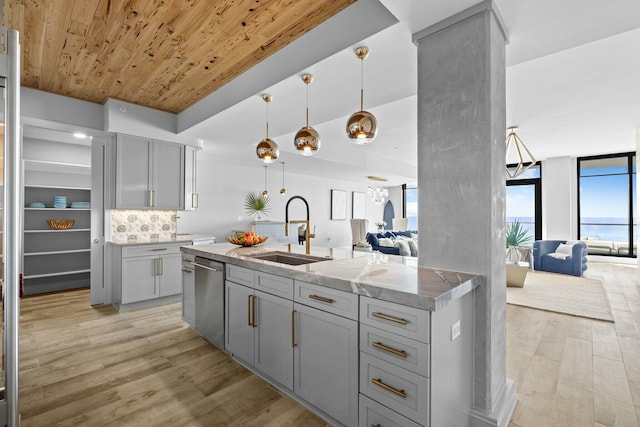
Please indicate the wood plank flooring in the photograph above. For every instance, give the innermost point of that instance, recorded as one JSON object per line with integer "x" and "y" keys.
{"x": 85, "y": 366}
{"x": 572, "y": 371}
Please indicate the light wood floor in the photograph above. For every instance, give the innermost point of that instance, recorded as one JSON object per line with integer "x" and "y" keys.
{"x": 572, "y": 371}
{"x": 84, "y": 366}
{"x": 94, "y": 366}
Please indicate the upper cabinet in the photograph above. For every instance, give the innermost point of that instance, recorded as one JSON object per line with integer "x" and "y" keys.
{"x": 150, "y": 174}
{"x": 190, "y": 193}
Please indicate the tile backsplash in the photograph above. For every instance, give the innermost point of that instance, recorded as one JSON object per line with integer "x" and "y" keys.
{"x": 133, "y": 225}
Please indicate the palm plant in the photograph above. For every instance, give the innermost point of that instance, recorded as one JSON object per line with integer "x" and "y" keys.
{"x": 517, "y": 235}
{"x": 257, "y": 204}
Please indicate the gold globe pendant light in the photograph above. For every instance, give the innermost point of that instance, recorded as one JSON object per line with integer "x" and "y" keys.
{"x": 283, "y": 190}
{"x": 267, "y": 150}
{"x": 307, "y": 140}
{"x": 362, "y": 126}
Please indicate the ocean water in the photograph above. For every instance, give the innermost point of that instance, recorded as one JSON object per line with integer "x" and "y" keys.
{"x": 610, "y": 229}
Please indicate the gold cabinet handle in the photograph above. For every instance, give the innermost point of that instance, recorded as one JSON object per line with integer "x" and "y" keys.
{"x": 322, "y": 299}
{"x": 186, "y": 270}
{"x": 394, "y": 390}
{"x": 249, "y": 310}
{"x": 159, "y": 249}
{"x": 150, "y": 198}
{"x": 153, "y": 192}
{"x": 390, "y": 318}
{"x": 253, "y": 310}
{"x": 293, "y": 328}
{"x": 391, "y": 350}
{"x": 376, "y": 425}
{"x": 195, "y": 200}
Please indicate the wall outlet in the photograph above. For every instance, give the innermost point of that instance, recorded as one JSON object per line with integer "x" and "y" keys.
{"x": 239, "y": 218}
{"x": 455, "y": 330}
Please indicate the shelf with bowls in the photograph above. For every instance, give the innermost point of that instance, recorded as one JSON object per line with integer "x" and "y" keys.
{"x": 55, "y": 257}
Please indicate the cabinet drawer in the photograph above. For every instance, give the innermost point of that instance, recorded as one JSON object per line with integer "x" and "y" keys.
{"x": 276, "y": 285}
{"x": 144, "y": 250}
{"x": 331, "y": 300}
{"x": 396, "y": 388}
{"x": 404, "y": 352}
{"x": 409, "y": 322}
{"x": 241, "y": 275}
{"x": 374, "y": 414}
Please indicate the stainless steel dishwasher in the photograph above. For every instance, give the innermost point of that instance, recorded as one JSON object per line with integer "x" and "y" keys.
{"x": 209, "y": 307}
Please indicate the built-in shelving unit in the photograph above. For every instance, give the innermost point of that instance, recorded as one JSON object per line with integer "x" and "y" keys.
{"x": 56, "y": 259}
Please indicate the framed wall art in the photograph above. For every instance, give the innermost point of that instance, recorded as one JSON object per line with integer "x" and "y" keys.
{"x": 338, "y": 205}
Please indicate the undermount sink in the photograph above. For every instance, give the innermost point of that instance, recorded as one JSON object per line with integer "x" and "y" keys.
{"x": 288, "y": 258}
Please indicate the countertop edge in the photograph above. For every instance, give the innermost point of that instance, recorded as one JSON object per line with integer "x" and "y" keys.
{"x": 366, "y": 289}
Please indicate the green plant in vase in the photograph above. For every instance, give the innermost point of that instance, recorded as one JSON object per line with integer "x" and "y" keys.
{"x": 517, "y": 235}
{"x": 257, "y": 204}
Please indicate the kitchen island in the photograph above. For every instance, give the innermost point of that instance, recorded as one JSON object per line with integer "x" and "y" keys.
{"x": 360, "y": 338}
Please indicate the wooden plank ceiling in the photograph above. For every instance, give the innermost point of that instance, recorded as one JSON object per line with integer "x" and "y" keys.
{"x": 163, "y": 54}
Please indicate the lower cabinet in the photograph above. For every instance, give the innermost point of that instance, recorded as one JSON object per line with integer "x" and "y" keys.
{"x": 310, "y": 352}
{"x": 147, "y": 272}
{"x": 259, "y": 331}
{"x": 326, "y": 362}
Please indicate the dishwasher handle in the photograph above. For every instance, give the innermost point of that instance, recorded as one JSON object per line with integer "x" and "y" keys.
{"x": 203, "y": 266}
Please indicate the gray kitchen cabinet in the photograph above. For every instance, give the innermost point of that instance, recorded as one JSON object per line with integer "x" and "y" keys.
{"x": 188, "y": 290}
{"x": 149, "y": 174}
{"x": 139, "y": 279}
{"x": 259, "y": 331}
{"x": 326, "y": 362}
{"x": 191, "y": 196}
{"x": 147, "y": 272}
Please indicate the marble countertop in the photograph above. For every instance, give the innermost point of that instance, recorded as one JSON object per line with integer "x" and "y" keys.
{"x": 385, "y": 277}
{"x": 179, "y": 238}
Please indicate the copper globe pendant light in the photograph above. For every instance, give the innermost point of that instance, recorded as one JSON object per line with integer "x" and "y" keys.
{"x": 307, "y": 140}
{"x": 267, "y": 150}
{"x": 362, "y": 126}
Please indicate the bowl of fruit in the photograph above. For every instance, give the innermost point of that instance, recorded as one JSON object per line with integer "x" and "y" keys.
{"x": 248, "y": 238}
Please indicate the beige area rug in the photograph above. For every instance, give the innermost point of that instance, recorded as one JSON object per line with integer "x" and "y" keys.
{"x": 563, "y": 294}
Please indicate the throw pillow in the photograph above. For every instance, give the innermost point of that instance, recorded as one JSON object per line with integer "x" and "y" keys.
{"x": 372, "y": 239}
{"x": 413, "y": 247}
{"x": 403, "y": 246}
{"x": 385, "y": 242}
{"x": 564, "y": 249}
{"x": 556, "y": 255}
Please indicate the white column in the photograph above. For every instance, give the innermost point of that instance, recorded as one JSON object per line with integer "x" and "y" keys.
{"x": 461, "y": 180}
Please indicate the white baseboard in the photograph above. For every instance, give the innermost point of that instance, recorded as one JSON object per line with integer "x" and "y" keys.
{"x": 502, "y": 412}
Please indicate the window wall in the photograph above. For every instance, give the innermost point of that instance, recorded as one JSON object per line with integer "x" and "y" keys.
{"x": 410, "y": 205}
{"x": 524, "y": 201}
{"x": 607, "y": 214}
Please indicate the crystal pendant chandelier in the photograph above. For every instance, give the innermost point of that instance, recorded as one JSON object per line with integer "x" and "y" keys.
{"x": 362, "y": 126}
{"x": 267, "y": 150}
{"x": 378, "y": 194}
{"x": 307, "y": 140}
{"x": 525, "y": 159}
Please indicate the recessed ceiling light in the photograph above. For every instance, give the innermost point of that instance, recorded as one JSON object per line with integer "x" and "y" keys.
{"x": 80, "y": 135}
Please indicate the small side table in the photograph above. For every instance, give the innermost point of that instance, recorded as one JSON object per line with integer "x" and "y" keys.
{"x": 362, "y": 248}
{"x": 517, "y": 273}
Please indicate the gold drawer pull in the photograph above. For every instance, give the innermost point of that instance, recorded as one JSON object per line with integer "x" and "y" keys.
{"x": 376, "y": 425}
{"x": 379, "y": 383}
{"x": 323, "y": 299}
{"x": 186, "y": 270}
{"x": 390, "y": 318}
{"x": 158, "y": 249}
{"x": 293, "y": 328}
{"x": 381, "y": 346}
{"x": 249, "y": 323}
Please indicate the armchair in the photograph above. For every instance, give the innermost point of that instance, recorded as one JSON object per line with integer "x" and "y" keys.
{"x": 560, "y": 256}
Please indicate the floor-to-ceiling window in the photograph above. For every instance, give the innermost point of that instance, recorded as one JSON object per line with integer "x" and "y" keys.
{"x": 410, "y": 205}
{"x": 606, "y": 204}
{"x": 524, "y": 201}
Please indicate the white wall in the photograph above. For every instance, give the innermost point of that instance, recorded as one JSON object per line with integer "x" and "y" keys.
{"x": 559, "y": 198}
{"x": 223, "y": 187}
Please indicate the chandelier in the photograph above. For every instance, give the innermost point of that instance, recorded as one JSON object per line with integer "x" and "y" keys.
{"x": 378, "y": 194}
{"x": 522, "y": 155}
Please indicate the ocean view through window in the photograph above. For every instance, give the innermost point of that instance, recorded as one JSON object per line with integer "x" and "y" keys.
{"x": 524, "y": 200}
{"x": 606, "y": 204}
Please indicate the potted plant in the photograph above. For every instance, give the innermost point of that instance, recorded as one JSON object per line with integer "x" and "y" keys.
{"x": 517, "y": 236}
{"x": 381, "y": 225}
{"x": 257, "y": 204}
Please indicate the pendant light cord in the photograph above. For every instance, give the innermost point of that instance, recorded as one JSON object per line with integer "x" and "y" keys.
{"x": 362, "y": 84}
{"x": 265, "y": 177}
{"x": 282, "y": 174}
{"x": 267, "y": 120}
{"x": 307, "y": 104}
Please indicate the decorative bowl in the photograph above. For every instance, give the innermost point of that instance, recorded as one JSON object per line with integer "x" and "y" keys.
{"x": 246, "y": 239}
{"x": 60, "y": 224}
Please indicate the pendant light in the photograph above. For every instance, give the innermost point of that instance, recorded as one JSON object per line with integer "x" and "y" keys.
{"x": 307, "y": 140}
{"x": 283, "y": 190}
{"x": 378, "y": 194}
{"x": 265, "y": 192}
{"x": 525, "y": 159}
{"x": 267, "y": 149}
{"x": 362, "y": 126}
